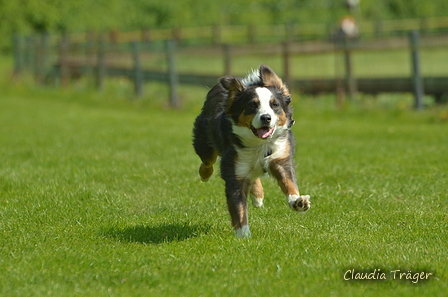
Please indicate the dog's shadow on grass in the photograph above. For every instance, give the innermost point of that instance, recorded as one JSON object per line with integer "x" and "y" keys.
{"x": 157, "y": 234}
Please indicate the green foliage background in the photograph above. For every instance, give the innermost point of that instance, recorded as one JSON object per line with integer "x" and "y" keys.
{"x": 27, "y": 16}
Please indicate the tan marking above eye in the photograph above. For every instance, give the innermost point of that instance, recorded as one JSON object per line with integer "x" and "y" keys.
{"x": 274, "y": 103}
{"x": 254, "y": 103}
{"x": 245, "y": 120}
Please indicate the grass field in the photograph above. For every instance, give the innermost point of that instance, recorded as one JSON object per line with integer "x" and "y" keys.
{"x": 100, "y": 196}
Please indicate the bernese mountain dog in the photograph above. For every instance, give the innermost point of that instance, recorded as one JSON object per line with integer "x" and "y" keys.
{"x": 247, "y": 122}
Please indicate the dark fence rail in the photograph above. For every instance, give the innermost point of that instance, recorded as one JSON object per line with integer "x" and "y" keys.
{"x": 432, "y": 85}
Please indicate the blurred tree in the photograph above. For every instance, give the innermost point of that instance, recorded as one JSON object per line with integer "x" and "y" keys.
{"x": 27, "y": 16}
{"x": 392, "y": 9}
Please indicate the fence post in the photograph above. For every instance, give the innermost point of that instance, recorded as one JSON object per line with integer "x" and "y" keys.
{"x": 378, "y": 27}
{"x": 177, "y": 34}
{"x": 138, "y": 74}
{"x": 287, "y": 64}
{"x": 45, "y": 53}
{"x": 216, "y": 34}
{"x": 251, "y": 33}
{"x": 227, "y": 59}
{"x": 146, "y": 38}
{"x": 289, "y": 31}
{"x": 114, "y": 37}
{"x": 29, "y": 53}
{"x": 352, "y": 86}
{"x": 101, "y": 67}
{"x": 63, "y": 61}
{"x": 37, "y": 58}
{"x": 18, "y": 54}
{"x": 90, "y": 52}
{"x": 172, "y": 73}
{"x": 416, "y": 73}
{"x": 41, "y": 57}
{"x": 339, "y": 80}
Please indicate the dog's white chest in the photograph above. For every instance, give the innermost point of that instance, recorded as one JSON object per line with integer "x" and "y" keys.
{"x": 253, "y": 162}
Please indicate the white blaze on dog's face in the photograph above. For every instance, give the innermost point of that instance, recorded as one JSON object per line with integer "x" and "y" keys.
{"x": 265, "y": 110}
{"x": 265, "y": 120}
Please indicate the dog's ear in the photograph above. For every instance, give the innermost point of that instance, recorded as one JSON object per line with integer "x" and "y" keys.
{"x": 270, "y": 79}
{"x": 231, "y": 84}
{"x": 234, "y": 86}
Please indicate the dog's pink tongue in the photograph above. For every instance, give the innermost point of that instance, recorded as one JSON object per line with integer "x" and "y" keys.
{"x": 264, "y": 132}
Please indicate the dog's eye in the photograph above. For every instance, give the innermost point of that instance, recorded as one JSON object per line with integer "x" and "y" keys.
{"x": 253, "y": 104}
{"x": 275, "y": 104}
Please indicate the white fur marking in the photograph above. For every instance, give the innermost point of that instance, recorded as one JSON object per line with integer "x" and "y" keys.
{"x": 253, "y": 159}
{"x": 243, "y": 232}
{"x": 304, "y": 198}
{"x": 264, "y": 95}
{"x": 252, "y": 78}
{"x": 257, "y": 202}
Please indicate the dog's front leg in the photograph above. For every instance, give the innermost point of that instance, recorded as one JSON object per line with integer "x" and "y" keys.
{"x": 236, "y": 193}
{"x": 283, "y": 171}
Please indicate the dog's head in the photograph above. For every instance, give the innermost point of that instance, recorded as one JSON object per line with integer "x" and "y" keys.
{"x": 259, "y": 102}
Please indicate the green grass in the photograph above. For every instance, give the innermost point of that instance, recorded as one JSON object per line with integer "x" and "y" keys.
{"x": 100, "y": 196}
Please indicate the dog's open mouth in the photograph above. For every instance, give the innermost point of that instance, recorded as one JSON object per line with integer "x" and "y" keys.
{"x": 263, "y": 132}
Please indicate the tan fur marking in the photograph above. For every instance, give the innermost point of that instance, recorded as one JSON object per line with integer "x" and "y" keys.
{"x": 242, "y": 217}
{"x": 245, "y": 120}
{"x": 205, "y": 172}
{"x": 288, "y": 187}
{"x": 230, "y": 100}
{"x": 212, "y": 160}
{"x": 282, "y": 119}
{"x": 272, "y": 80}
{"x": 257, "y": 189}
{"x": 206, "y": 168}
{"x": 285, "y": 183}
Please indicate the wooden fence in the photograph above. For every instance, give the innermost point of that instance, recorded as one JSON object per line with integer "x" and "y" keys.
{"x": 70, "y": 59}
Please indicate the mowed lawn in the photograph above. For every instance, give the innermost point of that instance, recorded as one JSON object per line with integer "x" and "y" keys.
{"x": 103, "y": 199}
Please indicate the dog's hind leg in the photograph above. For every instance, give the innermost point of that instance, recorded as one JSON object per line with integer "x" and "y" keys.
{"x": 203, "y": 148}
{"x": 206, "y": 168}
{"x": 256, "y": 193}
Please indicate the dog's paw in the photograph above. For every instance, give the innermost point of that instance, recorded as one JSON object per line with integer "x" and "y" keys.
{"x": 299, "y": 203}
{"x": 243, "y": 232}
{"x": 257, "y": 202}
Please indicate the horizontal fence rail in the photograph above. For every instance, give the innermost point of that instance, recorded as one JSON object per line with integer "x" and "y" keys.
{"x": 433, "y": 85}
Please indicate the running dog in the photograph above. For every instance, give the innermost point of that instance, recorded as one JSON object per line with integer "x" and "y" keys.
{"x": 247, "y": 122}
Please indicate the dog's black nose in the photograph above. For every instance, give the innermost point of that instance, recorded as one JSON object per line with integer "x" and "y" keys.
{"x": 265, "y": 118}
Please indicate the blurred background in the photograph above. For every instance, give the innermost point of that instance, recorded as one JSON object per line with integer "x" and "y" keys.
{"x": 343, "y": 47}
{"x": 53, "y": 16}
